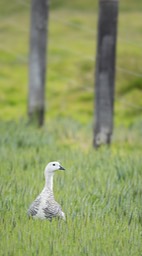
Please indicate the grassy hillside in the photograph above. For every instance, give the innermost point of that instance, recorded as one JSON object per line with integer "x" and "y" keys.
{"x": 71, "y": 63}
{"x": 90, "y": 5}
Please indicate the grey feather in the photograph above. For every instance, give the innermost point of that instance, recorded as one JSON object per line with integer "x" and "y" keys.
{"x": 33, "y": 209}
{"x": 45, "y": 206}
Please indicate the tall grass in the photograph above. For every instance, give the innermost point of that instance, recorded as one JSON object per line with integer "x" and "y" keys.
{"x": 100, "y": 192}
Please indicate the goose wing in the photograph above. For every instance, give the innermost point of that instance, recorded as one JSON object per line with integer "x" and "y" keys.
{"x": 34, "y": 207}
{"x": 52, "y": 209}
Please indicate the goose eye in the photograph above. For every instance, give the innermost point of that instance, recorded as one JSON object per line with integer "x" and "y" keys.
{"x": 53, "y": 164}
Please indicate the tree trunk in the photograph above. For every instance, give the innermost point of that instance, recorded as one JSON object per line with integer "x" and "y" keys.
{"x": 105, "y": 72}
{"x": 37, "y": 62}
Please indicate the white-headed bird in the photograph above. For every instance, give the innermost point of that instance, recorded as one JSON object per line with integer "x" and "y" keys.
{"x": 45, "y": 206}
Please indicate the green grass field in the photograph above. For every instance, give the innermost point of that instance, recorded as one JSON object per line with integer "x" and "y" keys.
{"x": 101, "y": 191}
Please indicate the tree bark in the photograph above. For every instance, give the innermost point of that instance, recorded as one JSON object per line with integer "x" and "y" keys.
{"x": 37, "y": 61}
{"x": 105, "y": 72}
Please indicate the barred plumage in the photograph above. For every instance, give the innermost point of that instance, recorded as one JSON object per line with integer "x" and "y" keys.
{"x": 45, "y": 206}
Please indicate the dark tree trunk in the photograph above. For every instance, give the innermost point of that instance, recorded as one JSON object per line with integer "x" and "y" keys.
{"x": 37, "y": 65}
{"x": 105, "y": 71}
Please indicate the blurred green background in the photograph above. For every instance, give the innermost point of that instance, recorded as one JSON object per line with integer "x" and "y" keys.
{"x": 71, "y": 61}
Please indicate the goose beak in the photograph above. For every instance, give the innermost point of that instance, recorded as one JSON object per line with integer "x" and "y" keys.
{"x": 61, "y": 168}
